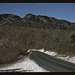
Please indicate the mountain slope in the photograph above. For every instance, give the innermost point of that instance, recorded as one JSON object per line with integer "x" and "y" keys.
{"x": 34, "y": 32}
{"x": 30, "y": 20}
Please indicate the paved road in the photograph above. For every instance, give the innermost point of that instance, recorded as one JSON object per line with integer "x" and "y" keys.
{"x": 50, "y": 63}
{"x": 22, "y": 65}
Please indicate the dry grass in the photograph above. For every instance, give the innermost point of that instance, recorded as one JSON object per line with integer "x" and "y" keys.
{"x": 16, "y": 40}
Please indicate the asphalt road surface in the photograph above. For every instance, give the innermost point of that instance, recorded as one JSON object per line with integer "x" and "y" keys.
{"x": 50, "y": 63}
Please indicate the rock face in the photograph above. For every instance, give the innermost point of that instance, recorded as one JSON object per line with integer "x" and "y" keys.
{"x": 8, "y": 18}
{"x": 49, "y": 21}
{"x": 39, "y": 20}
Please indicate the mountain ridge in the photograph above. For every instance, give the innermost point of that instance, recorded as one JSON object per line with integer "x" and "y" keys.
{"x": 48, "y": 22}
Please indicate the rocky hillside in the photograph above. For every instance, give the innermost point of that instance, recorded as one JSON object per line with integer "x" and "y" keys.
{"x": 17, "y": 35}
{"x": 47, "y": 22}
{"x": 36, "y": 21}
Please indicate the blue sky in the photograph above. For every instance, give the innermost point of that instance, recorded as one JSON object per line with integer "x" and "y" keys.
{"x": 64, "y": 11}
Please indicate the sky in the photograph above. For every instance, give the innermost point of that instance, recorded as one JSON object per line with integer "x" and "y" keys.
{"x": 64, "y": 11}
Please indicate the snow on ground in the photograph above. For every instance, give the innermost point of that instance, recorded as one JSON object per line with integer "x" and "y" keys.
{"x": 66, "y": 58}
{"x": 72, "y": 59}
{"x": 48, "y": 52}
{"x": 51, "y": 53}
{"x": 26, "y": 65}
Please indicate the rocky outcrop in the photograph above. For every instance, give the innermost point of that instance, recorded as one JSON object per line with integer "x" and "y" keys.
{"x": 8, "y": 18}
{"x": 31, "y": 20}
{"x": 48, "y": 21}
{"x": 37, "y": 18}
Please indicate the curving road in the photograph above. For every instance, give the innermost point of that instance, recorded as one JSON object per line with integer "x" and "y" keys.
{"x": 50, "y": 63}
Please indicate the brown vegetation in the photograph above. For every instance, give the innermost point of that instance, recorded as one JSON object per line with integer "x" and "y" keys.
{"x": 16, "y": 40}
{"x": 17, "y": 35}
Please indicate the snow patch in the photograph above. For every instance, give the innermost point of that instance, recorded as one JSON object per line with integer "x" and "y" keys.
{"x": 25, "y": 65}
{"x": 72, "y": 59}
{"x": 48, "y": 52}
{"x": 41, "y": 50}
{"x": 51, "y": 53}
{"x": 66, "y": 58}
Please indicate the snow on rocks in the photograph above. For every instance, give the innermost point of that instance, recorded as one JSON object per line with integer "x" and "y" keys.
{"x": 51, "y": 53}
{"x": 66, "y": 58}
{"x": 72, "y": 59}
{"x": 48, "y": 52}
{"x": 41, "y": 50}
{"x": 32, "y": 50}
